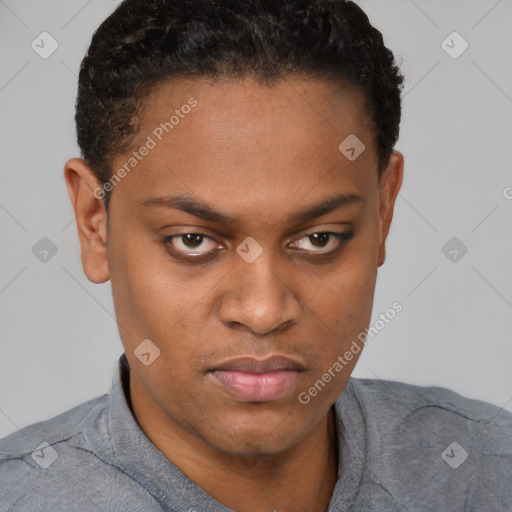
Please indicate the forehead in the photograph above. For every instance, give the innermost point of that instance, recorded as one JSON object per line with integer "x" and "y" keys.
{"x": 243, "y": 108}
{"x": 245, "y": 138}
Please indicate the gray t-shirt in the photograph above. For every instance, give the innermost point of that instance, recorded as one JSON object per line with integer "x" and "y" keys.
{"x": 401, "y": 448}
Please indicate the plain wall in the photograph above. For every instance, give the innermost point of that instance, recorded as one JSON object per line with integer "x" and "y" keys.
{"x": 59, "y": 339}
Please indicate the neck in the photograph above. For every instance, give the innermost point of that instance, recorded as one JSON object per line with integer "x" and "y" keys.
{"x": 302, "y": 478}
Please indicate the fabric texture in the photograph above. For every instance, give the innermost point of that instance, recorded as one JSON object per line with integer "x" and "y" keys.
{"x": 401, "y": 448}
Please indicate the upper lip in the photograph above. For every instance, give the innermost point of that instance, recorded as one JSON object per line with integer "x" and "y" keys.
{"x": 253, "y": 365}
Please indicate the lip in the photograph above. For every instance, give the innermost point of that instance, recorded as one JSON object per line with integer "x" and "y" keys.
{"x": 257, "y": 380}
{"x": 251, "y": 364}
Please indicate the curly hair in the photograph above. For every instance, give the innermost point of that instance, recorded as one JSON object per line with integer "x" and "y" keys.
{"x": 144, "y": 42}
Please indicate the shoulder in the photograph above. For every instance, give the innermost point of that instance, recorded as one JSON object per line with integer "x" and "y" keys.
{"x": 56, "y": 430}
{"x": 405, "y": 396}
{"x": 34, "y": 459}
{"x": 69, "y": 462}
{"x": 398, "y": 402}
{"x": 434, "y": 441}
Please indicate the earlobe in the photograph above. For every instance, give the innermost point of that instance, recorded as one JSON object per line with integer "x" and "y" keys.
{"x": 382, "y": 254}
{"x": 389, "y": 186}
{"x": 91, "y": 218}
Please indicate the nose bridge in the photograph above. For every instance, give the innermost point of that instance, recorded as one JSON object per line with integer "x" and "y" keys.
{"x": 260, "y": 279}
{"x": 259, "y": 297}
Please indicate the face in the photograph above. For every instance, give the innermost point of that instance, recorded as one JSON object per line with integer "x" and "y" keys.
{"x": 245, "y": 245}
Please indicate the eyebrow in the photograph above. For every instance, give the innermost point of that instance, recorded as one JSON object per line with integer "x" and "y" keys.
{"x": 204, "y": 211}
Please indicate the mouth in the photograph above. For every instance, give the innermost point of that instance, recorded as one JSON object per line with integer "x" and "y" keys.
{"x": 257, "y": 380}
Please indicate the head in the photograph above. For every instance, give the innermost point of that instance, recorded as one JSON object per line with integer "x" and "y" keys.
{"x": 236, "y": 186}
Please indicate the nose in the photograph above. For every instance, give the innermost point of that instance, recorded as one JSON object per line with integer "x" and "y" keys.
{"x": 260, "y": 298}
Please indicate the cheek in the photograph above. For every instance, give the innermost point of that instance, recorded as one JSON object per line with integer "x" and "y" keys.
{"x": 343, "y": 303}
{"x": 346, "y": 305}
{"x": 158, "y": 300}
{"x": 148, "y": 297}
{"x": 346, "y": 291}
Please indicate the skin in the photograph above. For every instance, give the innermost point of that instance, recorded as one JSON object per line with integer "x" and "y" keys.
{"x": 257, "y": 154}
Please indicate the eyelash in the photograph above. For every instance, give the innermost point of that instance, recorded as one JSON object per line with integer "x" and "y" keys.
{"x": 341, "y": 238}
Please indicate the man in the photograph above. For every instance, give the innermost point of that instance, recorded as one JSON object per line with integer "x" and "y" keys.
{"x": 236, "y": 186}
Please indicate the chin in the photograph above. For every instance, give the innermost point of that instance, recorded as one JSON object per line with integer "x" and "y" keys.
{"x": 254, "y": 434}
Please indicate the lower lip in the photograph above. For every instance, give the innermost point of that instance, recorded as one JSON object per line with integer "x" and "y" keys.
{"x": 257, "y": 387}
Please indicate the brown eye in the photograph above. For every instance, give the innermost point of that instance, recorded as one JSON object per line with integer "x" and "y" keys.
{"x": 327, "y": 241}
{"x": 319, "y": 239}
{"x": 191, "y": 243}
{"x": 192, "y": 239}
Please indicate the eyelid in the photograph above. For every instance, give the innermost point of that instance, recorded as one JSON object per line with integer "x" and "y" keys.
{"x": 319, "y": 227}
{"x": 214, "y": 234}
{"x": 295, "y": 236}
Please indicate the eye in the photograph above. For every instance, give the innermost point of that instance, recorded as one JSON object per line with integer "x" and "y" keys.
{"x": 324, "y": 242}
{"x": 191, "y": 244}
{"x": 199, "y": 244}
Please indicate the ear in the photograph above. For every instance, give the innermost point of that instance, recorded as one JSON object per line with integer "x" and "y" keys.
{"x": 86, "y": 197}
{"x": 389, "y": 186}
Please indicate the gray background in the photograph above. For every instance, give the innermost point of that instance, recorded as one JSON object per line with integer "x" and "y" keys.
{"x": 59, "y": 340}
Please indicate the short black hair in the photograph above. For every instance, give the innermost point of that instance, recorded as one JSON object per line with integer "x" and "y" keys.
{"x": 144, "y": 42}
